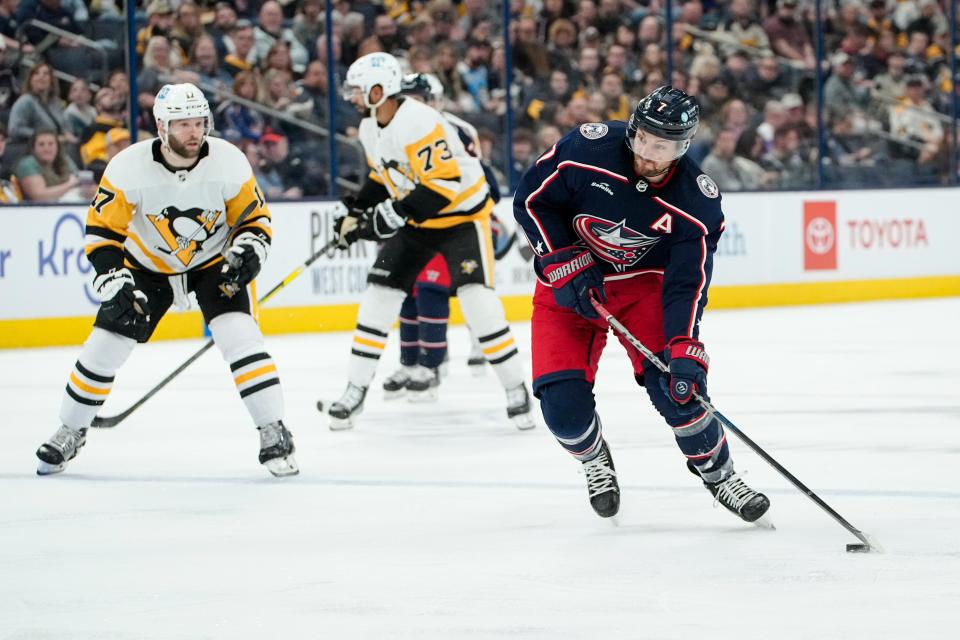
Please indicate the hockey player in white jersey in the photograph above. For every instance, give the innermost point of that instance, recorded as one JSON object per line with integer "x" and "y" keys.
{"x": 177, "y": 214}
{"x": 425, "y": 195}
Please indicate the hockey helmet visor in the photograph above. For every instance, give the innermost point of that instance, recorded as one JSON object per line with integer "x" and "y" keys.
{"x": 663, "y": 124}
{"x": 368, "y": 71}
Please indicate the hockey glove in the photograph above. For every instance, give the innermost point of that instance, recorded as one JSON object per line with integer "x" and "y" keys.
{"x": 244, "y": 258}
{"x": 120, "y": 302}
{"x": 346, "y": 228}
{"x": 381, "y": 222}
{"x": 688, "y": 362}
{"x": 574, "y": 277}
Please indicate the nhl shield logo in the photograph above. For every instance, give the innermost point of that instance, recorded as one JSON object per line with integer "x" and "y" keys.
{"x": 593, "y": 130}
{"x": 615, "y": 242}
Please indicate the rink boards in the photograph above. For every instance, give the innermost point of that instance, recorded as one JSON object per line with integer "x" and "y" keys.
{"x": 777, "y": 249}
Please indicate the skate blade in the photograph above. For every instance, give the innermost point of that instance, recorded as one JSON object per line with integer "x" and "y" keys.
{"x": 523, "y": 421}
{"x": 394, "y": 395}
{"x": 422, "y": 397}
{"x": 340, "y": 424}
{"x": 47, "y": 469}
{"x": 281, "y": 467}
{"x": 764, "y": 522}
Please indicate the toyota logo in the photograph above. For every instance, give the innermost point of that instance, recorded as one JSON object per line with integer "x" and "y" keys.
{"x": 820, "y": 235}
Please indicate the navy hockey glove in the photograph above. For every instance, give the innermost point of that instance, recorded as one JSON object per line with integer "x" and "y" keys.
{"x": 688, "y": 362}
{"x": 574, "y": 277}
{"x": 120, "y": 302}
{"x": 346, "y": 228}
{"x": 381, "y": 222}
{"x": 244, "y": 258}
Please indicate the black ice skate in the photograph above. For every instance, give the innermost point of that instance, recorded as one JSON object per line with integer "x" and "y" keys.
{"x": 602, "y": 483}
{"x": 343, "y": 411}
{"x": 423, "y": 384}
{"x": 396, "y": 385}
{"x": 60, "y": 449}
{"x": 518, "y": 408}
{"x": 735, "y": 495}
{"x": 276, "y": 450}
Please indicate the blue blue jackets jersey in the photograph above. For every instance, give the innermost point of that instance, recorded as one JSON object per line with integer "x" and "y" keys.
{"x": 584, "y": 191}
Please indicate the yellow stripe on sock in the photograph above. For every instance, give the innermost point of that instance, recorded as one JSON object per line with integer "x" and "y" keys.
{"x": 250, "y": 375}
{"x": 498, "y": 347}
{"x": 370, "y": 343}
{"x": 78, "y": 383}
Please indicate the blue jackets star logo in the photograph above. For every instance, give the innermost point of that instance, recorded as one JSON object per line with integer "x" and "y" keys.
{"x": 614, "y": 242}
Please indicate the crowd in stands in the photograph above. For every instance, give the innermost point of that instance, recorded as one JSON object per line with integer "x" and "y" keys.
{"x": 263, "y": 65}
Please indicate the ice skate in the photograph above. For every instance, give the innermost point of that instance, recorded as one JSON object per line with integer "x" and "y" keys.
{"x": 343, "y": 411}
{"x": 60, "y": 449}
{"x": 734, "y": 494}
{"x": 276, "y": 450}
{"x": 423, "y": 385}
{"x": 602, "y": 483}
{"x": 518, "y": 408}
{"x": 476, "y": 363}
{"x": 396, "y": 385}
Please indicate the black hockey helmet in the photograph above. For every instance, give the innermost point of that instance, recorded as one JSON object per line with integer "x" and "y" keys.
{"x": 666, "y": 113}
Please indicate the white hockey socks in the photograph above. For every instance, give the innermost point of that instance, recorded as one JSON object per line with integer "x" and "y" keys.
{"x": 379, "y": 307}
{"x": 90, "y": 382}
{"x": 240, "y": 341}
{"x": 484, "y": 313}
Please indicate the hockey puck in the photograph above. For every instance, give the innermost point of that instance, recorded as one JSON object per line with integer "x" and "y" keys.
{"x": 320, "y": 409}
{"x": 858, "y": 548}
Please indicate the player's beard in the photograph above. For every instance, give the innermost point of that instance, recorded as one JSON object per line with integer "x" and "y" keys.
{"x": 650, "y": 169}
{"x": 181, "y": 149}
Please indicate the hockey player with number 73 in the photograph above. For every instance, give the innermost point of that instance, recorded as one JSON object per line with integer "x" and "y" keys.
{"x": 616, "y": 213}
{"x": 178, "y": 214}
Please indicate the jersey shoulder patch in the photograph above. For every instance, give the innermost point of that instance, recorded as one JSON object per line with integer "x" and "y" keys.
{"x": 707, "y": 186}
{"x": 594, "y": 130}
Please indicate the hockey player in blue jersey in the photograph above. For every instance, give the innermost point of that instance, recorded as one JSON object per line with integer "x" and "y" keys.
{"x": 615, "y": 210}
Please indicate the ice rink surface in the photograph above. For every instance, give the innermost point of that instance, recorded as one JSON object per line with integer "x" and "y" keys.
{"x": 443, "y": 521}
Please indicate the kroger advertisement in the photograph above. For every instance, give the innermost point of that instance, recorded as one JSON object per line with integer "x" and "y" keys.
{"x": 769, "y": 238}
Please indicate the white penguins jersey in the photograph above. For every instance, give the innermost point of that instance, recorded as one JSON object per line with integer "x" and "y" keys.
{"x": 420, "y": 147}
{"x": 170, "y": 220}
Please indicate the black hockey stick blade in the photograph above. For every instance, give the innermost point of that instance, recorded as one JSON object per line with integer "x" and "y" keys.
{"x": 107, "y": 422}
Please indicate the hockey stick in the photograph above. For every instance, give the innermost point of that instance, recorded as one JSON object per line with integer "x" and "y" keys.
{"x": 106, "y": 422}
{"x": 869, "y": 543}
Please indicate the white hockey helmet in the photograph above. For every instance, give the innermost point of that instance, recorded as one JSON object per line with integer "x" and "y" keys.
{"x": 369, "y": 71}
{"x": 179, "y": 102}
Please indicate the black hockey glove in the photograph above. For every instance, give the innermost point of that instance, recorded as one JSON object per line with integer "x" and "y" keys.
{"x": 120, "y": 301}
{"x": 688, "y": 362}
{"x": 244, "y": 258}
{"x": 346, "y": 227}
{"x": 381, "y": 222}
{"x": 574, "y": 277}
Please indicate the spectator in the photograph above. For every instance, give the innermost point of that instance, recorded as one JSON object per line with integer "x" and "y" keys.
{"x": 729, "y": 171}
{"x": 474, "y": 70}
{"x": 913, "y": 120}
{"x": 278, "y": 58}
{"x": 618, "y": 106}
{"x": 160, "y": 18}
{"x": 237, "y": 121}
{"x": 205, "y": 64}
{"x": 158, "y": 70}
{"x": 270, "y": 29}
{"x": 561, "y": 45}
{"x": 38, "y": 107}
{"x": 224, "y": 20}
{"x": 9, "y": 189}
{"x": 586, "y": 14}
{"x": 742, "y": 29}
{"x": 847, "y": 149}
{"x": 768, "y": 79}
{"x": 786, "y": 161}
{"x": 750, "y": 147}
{"x": 385, "y": 29}
{"x": 110, "y": 115}
{"x": 588, "y": 68}
{"x": 788, "y": 36}
{"x": 420, "y": 33}
{"x": 458, "y": 99}
{"x": 45, "y": 174}
{"x": 339, "y": 69}
{"x": 523, "y": 153}
{"x": 243, "y": 53}
{"x": 308, "y": 24}
{"x": 891, "y": 85}
{"x": 187, "y": 27}
{"x": 529, "y": 55}
{"x": 774, "y": 117}
{"x": 80, "y": 113}
{"x": 841, "y": 92}
{"x": 280, "y": 167}
{"x": 547, "y": 136}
